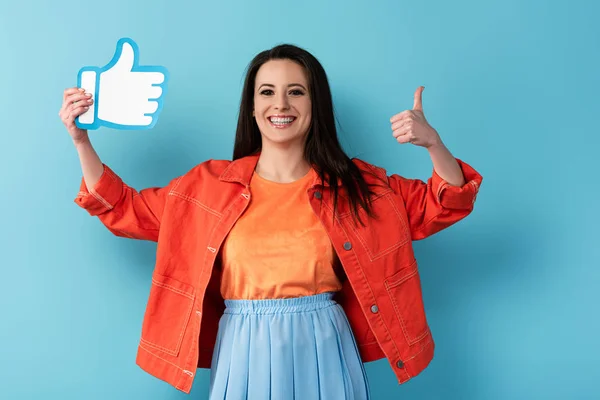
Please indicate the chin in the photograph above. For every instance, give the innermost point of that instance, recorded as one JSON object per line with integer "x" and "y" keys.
{"x": 283, "y": 138}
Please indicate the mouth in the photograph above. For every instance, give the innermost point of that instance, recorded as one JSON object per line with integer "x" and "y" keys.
{"x": 281, "y": 122}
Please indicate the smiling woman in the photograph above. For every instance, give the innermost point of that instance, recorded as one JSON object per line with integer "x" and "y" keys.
{"x": 287, "y": 267}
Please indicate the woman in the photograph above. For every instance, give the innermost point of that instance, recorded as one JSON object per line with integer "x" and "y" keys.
{"x": 288, "y": 267}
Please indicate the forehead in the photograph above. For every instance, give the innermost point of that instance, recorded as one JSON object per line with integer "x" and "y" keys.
{"x": 281, "y": 72}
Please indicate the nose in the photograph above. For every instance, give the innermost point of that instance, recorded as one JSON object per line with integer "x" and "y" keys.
{"x": 281, "y": 101}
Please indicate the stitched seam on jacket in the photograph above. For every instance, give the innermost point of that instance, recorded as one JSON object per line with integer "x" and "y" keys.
{"x": 402, "y": 323}
{"x": 183, "y": 328}
{"x": 195, "y": 343}
{"x": 209, "y": 239}
{"x": 159, "y": 357}
{"x": 157, "y": 347}
{"x": 163, "y": 349}
{"x": 133, "y": 223}
{"x": 410, "y": 340}
{"x": 101, "y": 200}
{"x": 441, "y": 188}
{"x": 111, "y": 175}
{"x": 347, "y": 213}
{"x": 392, "y": 247}
{"x": 196, "y": 202}
{"x": 176, "y": 184}
{"x": 389, "y": 335}
{"x": 424, "y": 225}
{"x": 173, "y": 289}
{"x": 423, "y": 347}
{"x": 177, "y": 346}
{"x": 380, "y": 254}
{"x": 220, "y": 216}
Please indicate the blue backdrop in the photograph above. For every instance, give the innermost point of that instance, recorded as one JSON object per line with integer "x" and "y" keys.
{"x": 512, "y": 86}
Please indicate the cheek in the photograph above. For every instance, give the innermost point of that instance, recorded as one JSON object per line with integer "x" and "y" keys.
{"x": 261, "y": 111}
{"x": 308, "y": 115}
{"x": 259, "y": 104}
{"x": 307, "y": 108}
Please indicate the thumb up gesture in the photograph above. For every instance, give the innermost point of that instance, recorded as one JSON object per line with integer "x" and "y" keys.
{"x": 410, "y": 126}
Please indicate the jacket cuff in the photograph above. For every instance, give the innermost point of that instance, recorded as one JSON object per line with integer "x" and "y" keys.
{"x": 103, "y": 196}
{"x": 457, "y": 197}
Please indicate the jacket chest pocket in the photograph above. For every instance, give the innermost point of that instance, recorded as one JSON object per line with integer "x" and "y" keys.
{"x": 167, "y": 314}
{"x": 404, "y": 290}
{"x": 384, "y": 233}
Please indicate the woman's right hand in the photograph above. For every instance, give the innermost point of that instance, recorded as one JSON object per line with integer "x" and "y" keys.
{"x": 75, "y": 103}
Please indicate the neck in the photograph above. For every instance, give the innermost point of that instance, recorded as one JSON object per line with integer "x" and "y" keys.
{"x": 282, "y": 164}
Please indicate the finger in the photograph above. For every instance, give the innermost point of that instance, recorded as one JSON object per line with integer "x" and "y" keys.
{"x": 406, "y": 138}
{"x": 400, "y": 116}
{"x": 401, "y": 131}
{"x": 418, "y": 103}
{"x": 71, "y": 91}
{"x": 77, "y": 111}
{"x": 401, "y": 123}
{"x": 79, "y": 104}
{"x": 72, "y": 107}
{"x": 64, "y": 111}
{"x": 77, "y": 97}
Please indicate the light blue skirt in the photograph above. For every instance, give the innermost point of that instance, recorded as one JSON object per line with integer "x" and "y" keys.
{"x": 296, "y": 348}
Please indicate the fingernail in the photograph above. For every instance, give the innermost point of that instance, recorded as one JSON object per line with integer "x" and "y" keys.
{"x": 81, "y": 90}
{"x": 88, "y": 94}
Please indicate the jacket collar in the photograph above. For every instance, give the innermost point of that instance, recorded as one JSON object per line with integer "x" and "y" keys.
{"x": 241, "y": 171}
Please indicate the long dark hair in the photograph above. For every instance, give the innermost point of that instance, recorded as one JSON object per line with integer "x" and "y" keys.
{"x": 322, "y": 149}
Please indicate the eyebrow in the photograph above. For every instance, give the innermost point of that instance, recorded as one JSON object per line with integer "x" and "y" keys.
{"x": 290, "y": 85}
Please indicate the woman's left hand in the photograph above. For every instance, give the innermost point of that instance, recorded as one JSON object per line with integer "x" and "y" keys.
{"x": 410, "y": 126}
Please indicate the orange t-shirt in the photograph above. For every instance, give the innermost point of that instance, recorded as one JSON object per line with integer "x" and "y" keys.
{"x": 278, "y": 248}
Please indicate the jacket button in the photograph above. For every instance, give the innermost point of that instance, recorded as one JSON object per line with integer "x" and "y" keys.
{"x": 318, "y": 195}
{"x": 400, "y": 364}
{"x": 347, "y": 246}
{"x": 374, "y": 309}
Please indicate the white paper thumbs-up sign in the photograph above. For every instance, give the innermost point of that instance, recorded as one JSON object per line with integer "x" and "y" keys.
{"x": 126, "y": 95}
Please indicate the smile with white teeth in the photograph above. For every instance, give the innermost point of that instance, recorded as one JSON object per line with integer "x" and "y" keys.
{"x": 281, "y": 122}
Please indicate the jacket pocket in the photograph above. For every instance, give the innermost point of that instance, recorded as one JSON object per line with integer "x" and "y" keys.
{"x": 383, "y": 234}
{"x": 167, "y": 314}
{"x": 404, "y": 290}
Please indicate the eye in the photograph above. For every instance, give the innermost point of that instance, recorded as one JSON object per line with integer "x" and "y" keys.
{"x": 267, "y": 92}
{"x": 296, "y": 92}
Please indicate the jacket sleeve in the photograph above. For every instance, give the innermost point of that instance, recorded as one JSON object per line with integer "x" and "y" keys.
{"x": 123, "y": 210}
{"x": 434, "y": 205}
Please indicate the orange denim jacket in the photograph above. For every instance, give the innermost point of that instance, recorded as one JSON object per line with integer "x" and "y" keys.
{"x": 191, "y": 216}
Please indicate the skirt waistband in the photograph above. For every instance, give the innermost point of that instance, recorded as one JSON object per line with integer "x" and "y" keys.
{"x": 285, "y": 305}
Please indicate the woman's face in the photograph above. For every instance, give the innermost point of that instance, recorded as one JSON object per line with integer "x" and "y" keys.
{"x": 282, "y": 104}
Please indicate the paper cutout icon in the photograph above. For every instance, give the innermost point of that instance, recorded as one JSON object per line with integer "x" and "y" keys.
{"x": 126, "y": 95}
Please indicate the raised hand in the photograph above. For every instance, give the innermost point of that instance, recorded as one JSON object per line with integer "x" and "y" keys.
{"x": 75, "y": 103}
{"x": 410, "y": 126}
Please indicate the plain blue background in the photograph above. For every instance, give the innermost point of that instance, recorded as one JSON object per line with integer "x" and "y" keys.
{"x": 512, "y": 292}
